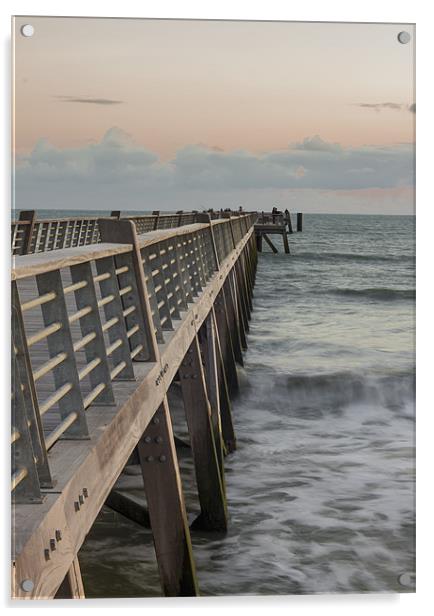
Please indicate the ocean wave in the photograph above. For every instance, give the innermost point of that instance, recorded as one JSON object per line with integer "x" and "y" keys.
{"x": 350, "y": 256}
{"x": 335, "y": 390}
{"x": 383, "y": 294}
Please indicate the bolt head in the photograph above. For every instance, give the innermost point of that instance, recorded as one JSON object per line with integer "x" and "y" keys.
{"x": 159, "y": 439}
{"x": 162, "y": 458}
{"x": 148, "y": 439}
{"x": 150, "y": 459}
{"x": 58, "y": 535}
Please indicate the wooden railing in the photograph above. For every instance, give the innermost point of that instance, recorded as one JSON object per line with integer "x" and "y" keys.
{"x": 31, "y": 235}
{"x": 79, "y": 318}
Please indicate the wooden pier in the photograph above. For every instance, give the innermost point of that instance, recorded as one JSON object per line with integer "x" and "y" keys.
{"x": 108, "y": 314}
{"x": 275, "y": 223}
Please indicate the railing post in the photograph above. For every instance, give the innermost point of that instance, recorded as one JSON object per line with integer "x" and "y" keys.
{"x": 30, "y": 216}
{"x": 123, "y": 231}
{"x": 30, "y": 399}
{"x": 156, "y": 213}
{"x": 204, "y": 217}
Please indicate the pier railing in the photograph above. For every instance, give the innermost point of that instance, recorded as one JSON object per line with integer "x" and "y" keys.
{"x": 31, "y": 235}
{"x": 81, "y": 318}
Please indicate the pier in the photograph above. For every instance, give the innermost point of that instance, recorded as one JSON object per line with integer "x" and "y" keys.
{"x": 275, "y": 223}
{"x": 108, "y": 314}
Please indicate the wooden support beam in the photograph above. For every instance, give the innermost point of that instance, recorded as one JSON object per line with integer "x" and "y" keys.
{"x": 210, "y": 483}
{"x": 166, "y": 507}
{"x": 228, "y": 432}
{"x": 233, "y": 320}
{"x": 209, "y": 355}
{"x": 72, "y": 585}
{"x": 285, "y": 242}
{"x": 270, "y": 243}
{"x": 129, "y": 506}
{"x": 227, "y": 351}
{"x": 259, "y": 241}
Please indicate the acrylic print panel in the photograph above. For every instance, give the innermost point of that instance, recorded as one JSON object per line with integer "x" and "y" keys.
{"x": 213, "y": 308}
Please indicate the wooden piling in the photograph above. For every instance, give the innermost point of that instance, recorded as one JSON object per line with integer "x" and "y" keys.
{"x": 299, "y": 221}
{"x": 166, "y": 507}
{"x": 210, "y": 483}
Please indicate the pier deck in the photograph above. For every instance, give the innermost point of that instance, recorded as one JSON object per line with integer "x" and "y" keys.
{"x": 100, "y": 332}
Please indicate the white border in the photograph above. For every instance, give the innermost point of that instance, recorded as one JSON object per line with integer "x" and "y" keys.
{"x": 307, "y": 10}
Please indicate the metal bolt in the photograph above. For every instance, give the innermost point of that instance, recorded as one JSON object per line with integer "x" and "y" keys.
{"x": 156, "y": 420}
{"x": 47, "y": 554}
{"x": 159, "y": 439}
{"x": 148, "y": 439}
{"x": 58, "y": 535}
{"x": 85, "y": 492}
{"x": 76, "y": 505}
{"x": 150, "y": 459}
{"x": 52, "y": 544}
{"x": 162, "y": 458}
{"x": 27, "y": 585}
{"x": 80, "y": 499}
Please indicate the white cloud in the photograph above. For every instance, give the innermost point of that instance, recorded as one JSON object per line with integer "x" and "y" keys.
{"x": 117, "y": 172}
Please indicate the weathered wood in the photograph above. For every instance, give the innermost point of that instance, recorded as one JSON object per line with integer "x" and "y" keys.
{"x": 129, "y": 506}
{"x": 209, "y": 356}
{"x": 285, "y": 243}
{"x": 228, "y": 432}
{"x": 226, "y": 344}
{"x": 166, "y": 506}
{"x": 114, "y": 434}
{"x": 114, "y": 231}
{"x": 30, "y": 217}
{"x": 72, "y": 585}
{"x": 270, "y": 243}
{"x": 210, "y": 483}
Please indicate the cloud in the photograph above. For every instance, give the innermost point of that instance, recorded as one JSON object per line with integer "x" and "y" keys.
{"x": 89, "y": 100}
{"x": 382, "y": 106}
{"x": 117, "y": 172}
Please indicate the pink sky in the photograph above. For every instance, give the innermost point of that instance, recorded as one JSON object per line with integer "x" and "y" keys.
{"x": 259, "y": 87}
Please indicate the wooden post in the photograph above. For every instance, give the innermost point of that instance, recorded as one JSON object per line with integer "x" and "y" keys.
{"x": 72, "y": 585}
{"x": 228, "y": 432}
{"x": 288, "y": 221}
{"x": 210, "y": 484}
{"x": 226, "y": 343}
{"x": 30, "y": 216}
{"x": 259, "y": 241}
{"x": 270, "y": 243}
{"x": 209, "y": 355}
{"x": 116, "y": 214}
{"x": 156, "y": 213}
{"x": 285, "y": 242}
{"x": 166, "y": 507}
{"x": 124, "y": 232}
{"x": 233, "y": 320}
{"x": 299, "y": 221}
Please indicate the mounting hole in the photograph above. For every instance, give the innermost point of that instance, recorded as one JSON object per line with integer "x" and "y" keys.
{"x": 404, "y": 37}
{"x": 27, "y": 30}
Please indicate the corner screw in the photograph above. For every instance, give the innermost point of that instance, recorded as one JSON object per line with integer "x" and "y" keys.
{"x": 27, "y": 585}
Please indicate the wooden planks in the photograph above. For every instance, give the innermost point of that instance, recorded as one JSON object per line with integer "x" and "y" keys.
{"x": 85, "y": 471}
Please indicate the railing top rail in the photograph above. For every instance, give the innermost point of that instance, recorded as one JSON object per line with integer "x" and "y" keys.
{"x": 38, "y": 263}
{"x": 42, "y": 262}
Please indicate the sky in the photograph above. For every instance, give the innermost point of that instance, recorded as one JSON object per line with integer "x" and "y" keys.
{"x": 181, "y": 114}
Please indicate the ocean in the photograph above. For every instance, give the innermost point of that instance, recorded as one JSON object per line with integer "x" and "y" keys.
{"x": 321, "y": 490}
